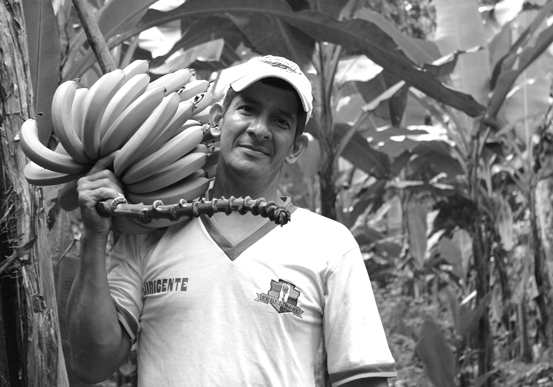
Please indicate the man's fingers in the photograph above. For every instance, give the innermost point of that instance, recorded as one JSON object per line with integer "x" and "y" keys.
{"x": 105, "y": 184}
{"x": 105, "y": 162}
{"x": 103, "y": 177}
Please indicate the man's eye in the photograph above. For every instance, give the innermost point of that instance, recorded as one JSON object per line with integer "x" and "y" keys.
{"x": 282, "y": 123}
{"x": 245, "y": 108}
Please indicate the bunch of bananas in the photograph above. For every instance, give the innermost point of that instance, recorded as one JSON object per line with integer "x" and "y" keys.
{"x": 164, "y": 147}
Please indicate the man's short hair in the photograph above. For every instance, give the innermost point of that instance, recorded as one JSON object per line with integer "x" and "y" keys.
{"x": 278, "y": 83}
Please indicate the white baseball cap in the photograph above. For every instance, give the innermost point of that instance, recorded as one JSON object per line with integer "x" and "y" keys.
{"x": 275, "y": 66}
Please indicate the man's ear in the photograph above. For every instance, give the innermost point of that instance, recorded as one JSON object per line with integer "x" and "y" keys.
{"x": 215, "y": 114}
{"x": 297, "y": 148}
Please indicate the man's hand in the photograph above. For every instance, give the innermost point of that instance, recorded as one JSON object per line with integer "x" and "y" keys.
{"x": 99, "y": 184}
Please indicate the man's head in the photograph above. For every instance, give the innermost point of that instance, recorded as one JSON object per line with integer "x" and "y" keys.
{"x": 261, "y": 122}
{"x": 278, "y": 72}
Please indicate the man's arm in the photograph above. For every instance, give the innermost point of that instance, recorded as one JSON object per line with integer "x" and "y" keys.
{"x": 98, "y": 343}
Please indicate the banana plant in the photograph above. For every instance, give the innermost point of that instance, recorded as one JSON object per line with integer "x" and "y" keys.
{"x": 316, "y": 33}
{"x": 523, "y": 117}
{"x": 443, "y": 368}
{"x": 499, "y": 75}
{"x": 326, "y": 37}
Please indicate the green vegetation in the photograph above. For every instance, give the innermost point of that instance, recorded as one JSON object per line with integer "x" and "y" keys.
{"x": 431, "y": 141}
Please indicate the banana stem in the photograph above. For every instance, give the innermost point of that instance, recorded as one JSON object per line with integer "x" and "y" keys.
{"x": 146, "y": 213}
{"x": 94, "y": 35}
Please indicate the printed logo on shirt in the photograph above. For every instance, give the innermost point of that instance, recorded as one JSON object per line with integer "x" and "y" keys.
{"x": 165, "y": 285}
{"x": 283, "y": 296}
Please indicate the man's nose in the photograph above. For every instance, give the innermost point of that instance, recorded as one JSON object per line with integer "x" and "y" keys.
{"x": 260, "y": 128}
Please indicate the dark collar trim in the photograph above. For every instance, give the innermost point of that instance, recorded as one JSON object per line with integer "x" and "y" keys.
{"x": 234, "y": 251}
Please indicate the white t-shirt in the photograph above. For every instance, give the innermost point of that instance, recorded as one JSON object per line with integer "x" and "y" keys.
{"x": 205, "y": 312}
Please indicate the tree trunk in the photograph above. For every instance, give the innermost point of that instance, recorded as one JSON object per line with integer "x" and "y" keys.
{"x": 541, "y": 218}
{"x": 482, "y": 251}
{"x": 328, "y": 189}
{"x": 30, "y": 350}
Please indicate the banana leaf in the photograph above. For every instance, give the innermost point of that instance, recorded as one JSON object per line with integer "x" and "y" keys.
{"x": 356, "y": 35}
{"x": 278, "y": 38}
{"x": 201, "y": 31}
{"x": 459, "y": 27}
{"x": 115, "y": 17}
{"x": 517, "y": 61}
{"x": 418, "y": 50}
{"x": 457, "y": 251}
{"x": 527, "y": 100}
{"x": 356, "y": 68}
{"x": 331, "y": 7}
{"x": 210, "y": 51}
{"x": 432, "y": 158}
{"x": 437, "y": 357}
{"x": 416, "y": 223}
{"x": 359, "y": 152}
{"x": 44, "y": 60}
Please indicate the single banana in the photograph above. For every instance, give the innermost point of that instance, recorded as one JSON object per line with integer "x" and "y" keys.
{"x": 139, "y": 66}
{"x": 210, "y": 166}
{"x": 127, "y": 94}
{"x": 184, "y": 111}
{"x": 188, "y": 189}
{"x": 213, "y": 155}
{"x": 202, "y": 101}
{"x": 202, "y": 148}
{"x": 172, "y": 173}
{"x": 37, "y": 175}
{"x": 150, "y": 129}
{"x": 42, "y": 155}
{"x": 97, "y": 100}
{"x": 172, "y": 81}
{"x": 173, "y": 150}
{"x": 130, "y": 120}
{"x": 68, "y": 197}
{"x": 62, "y": 121}
{"x": 211, "y": 171}
{"x": 77, "y": 111}
{"x": 193, "y": 88}
{"x": 203, "y": 116}
{"x": 189, "y": 124}
{"x": 60, "y": 149}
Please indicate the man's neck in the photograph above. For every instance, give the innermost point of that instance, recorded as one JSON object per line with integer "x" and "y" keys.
{"x": 237, "y": 227}
{"x": 230, "y": 187}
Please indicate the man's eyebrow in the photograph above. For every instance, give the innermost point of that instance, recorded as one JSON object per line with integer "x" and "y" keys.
{"x": 254, "y": 101}
{"x": 247, "y": 99}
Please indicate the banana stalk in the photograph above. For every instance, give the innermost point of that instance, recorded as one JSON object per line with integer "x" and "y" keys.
{"x": 146, "y": 213}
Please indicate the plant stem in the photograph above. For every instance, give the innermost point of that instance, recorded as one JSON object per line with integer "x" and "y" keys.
{"x": 94, "y": 36}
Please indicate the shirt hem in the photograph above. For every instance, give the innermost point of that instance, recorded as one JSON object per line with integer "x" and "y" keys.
{"x": 365, "y": 375}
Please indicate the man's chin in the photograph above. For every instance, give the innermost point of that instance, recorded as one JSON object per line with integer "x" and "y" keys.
{"x": 246, "y": 166}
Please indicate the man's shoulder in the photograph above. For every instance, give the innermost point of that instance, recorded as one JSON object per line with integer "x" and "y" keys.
{"x": 312, "y": 223}
{"x": 306, "y": 215}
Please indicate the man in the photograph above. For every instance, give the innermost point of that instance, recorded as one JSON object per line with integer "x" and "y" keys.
{"x": 231, "y": 300}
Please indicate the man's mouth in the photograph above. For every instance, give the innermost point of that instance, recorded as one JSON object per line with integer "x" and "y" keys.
{"x": 255, "y": 148}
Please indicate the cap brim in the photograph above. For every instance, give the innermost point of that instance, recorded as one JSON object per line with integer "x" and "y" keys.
{"x": 242, "y": 83}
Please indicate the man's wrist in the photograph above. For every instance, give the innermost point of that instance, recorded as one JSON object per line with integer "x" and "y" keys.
{"x": 92, "y": 233}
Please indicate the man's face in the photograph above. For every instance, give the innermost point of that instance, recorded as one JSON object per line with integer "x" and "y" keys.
{"x": 258, "y": 131}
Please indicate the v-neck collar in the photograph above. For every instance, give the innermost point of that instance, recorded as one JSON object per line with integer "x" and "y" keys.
{"x": 233, "y": 251}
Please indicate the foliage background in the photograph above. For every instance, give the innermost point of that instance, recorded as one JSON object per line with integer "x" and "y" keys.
{"x": 443, "y": 205}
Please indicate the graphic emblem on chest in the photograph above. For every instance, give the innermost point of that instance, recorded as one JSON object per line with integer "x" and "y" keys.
{"x": 283, "y": 296}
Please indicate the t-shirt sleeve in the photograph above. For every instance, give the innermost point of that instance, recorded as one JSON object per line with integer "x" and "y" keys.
{"x": 125, "y": 280}
{"x": 354, "y": 336}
